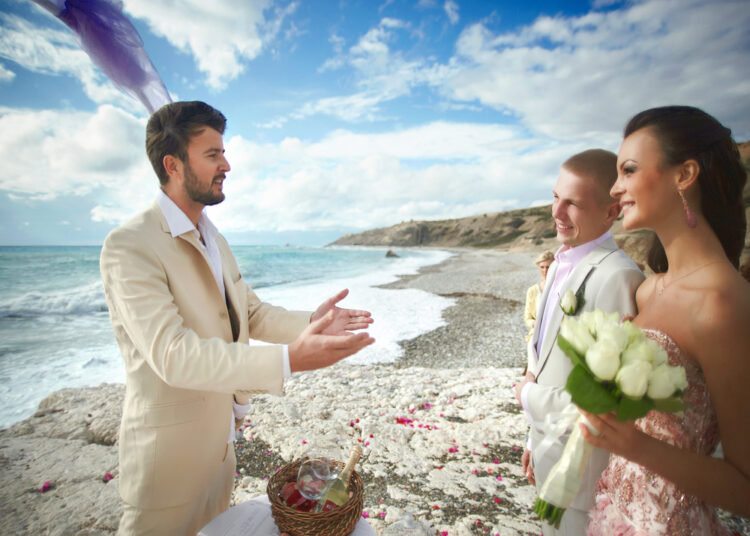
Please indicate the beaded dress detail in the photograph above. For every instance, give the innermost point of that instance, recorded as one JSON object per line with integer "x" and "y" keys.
{"x": 633, "y": 501}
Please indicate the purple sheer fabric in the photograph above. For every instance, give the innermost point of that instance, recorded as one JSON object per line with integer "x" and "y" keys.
{"x": 113, "y": 44}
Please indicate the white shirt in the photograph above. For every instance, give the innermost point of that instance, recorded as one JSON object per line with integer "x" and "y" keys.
{"x": 179, "y": 224}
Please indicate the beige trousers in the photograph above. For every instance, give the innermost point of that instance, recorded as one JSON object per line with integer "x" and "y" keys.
{"x": 185, "y": 519}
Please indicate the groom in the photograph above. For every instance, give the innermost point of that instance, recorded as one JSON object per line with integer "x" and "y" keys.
{"x": 590, "y": 263}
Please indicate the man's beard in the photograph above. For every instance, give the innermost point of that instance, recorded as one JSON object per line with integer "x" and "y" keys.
{"x": 192, "y": 187}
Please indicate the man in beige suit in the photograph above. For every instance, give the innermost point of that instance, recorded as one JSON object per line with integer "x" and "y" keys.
{"x": 590, "y": 263}
{"x": 182, "y": 316}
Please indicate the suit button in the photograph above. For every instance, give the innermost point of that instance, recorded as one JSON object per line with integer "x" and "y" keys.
{"x": 223, "y": 315}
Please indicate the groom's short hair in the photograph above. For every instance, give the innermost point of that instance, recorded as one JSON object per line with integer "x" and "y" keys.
{"x": 598, "y": 165}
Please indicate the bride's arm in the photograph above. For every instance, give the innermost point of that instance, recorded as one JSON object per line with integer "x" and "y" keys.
{"x": 721, "y": 343}
{"x": 722, "y": 347}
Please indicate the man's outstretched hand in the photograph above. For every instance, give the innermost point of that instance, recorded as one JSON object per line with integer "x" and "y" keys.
{"x": 316, "y": 348}
{"x": 344, "y": 319}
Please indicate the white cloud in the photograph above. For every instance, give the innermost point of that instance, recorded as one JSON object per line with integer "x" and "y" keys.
{"x": 48, "y": 153}
{"x": 349, "y": 108}
{"x": 565, "y": 77}
{"x": 451, "y": 9}
{"x": 55, "y": 51}
{"x": 222, "y": 35}
{"x": 436, "y": 170}
{"x": 342, "y": 180}
{"x": 6, "y": 75}
{"x": 584, "y": 76}
{"x": 571, "y": 82}
{"x": 382, "y": 75}
{"x": 434, "y": 141}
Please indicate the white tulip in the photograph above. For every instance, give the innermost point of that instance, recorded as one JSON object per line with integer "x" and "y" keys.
{"x": 599, "y": 320}
{"x": 614, "y": 333}
{"x": 660, "y": 383}
{"x": 603, "y": 358}
{"x": 679, "y": 377}
{"x": 639, "y": 351}
{"x": 659, "y": 356}
{"x": 576, "y": 334}
{"x": 586, "y": 318}
{"x": 569, "y": 302}
{"x": 635, "y": 334}
{"x": 633, "y": 378}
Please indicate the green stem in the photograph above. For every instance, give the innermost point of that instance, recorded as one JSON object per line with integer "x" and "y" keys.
{"x": 549, "y": 512}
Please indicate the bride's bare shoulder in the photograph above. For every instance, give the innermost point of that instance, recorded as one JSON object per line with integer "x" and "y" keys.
{"x": 724, "y": 303}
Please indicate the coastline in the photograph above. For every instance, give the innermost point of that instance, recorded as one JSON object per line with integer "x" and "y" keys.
{"x": 428, "y": 413}
{"x": 440, "y": 427}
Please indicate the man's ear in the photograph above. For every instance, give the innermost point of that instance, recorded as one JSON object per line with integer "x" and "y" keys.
{"x": 613, "y": 210}
{"x": 172, "y": 165}
{"x": 687, "y": 174}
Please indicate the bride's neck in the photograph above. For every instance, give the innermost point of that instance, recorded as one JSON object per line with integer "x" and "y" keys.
{"x": 687, "y": 248}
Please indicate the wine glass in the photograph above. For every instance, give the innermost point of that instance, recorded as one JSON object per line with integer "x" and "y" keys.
{"x": 316, "y": 472}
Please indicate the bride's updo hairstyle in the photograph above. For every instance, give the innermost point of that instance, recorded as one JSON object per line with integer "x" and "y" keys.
{"x": 688, "y": 133}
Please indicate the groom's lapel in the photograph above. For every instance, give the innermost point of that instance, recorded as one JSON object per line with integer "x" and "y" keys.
{"x": 575, "y": 281}
{"x": 541, "y": 304}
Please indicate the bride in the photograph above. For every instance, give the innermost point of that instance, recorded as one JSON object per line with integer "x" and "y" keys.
{"x": 680, "y": 174}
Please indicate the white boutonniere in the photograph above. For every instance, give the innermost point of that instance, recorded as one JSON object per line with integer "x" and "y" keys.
{"x": 571, "y": 303}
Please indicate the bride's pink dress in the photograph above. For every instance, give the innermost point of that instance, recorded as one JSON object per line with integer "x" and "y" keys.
{"x": 633, "y": 501}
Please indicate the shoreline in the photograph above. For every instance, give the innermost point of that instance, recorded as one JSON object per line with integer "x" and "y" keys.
{"x": 440, "y": 427}
{"x": 430, "y": 452}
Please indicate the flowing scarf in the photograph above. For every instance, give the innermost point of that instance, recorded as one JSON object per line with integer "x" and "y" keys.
{"x": 113, "y": 44}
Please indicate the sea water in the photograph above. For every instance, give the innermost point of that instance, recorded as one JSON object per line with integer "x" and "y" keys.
{"x": 55, "y": 330}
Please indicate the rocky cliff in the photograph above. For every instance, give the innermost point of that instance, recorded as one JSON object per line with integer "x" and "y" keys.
{"x": 513, "y": 230}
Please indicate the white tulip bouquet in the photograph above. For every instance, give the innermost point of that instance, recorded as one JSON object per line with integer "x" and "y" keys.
{"x": 616, "y": 369}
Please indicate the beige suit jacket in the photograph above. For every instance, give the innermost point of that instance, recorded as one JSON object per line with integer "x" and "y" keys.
{"x": 186, "y": 353}
{"x": 611, "y": 279}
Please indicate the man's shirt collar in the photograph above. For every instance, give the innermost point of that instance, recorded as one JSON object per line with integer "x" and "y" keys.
{"x": 179, "y": 223}
{"x": 576, "y": 254}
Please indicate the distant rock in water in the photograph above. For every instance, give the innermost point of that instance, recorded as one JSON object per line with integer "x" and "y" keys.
{"x": 390, "y": 253}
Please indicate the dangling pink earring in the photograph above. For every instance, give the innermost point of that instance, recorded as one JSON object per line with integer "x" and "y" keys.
{"x": 690, "y": 218}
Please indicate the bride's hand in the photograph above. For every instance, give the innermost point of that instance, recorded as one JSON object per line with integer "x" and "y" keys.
{"x": 620, "y": 438}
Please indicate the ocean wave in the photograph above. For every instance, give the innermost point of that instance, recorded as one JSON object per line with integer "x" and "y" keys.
{"x": 95, "y": 362}
{"x": 82, "y": 300}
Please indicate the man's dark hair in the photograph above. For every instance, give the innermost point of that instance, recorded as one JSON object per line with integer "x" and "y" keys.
{"x": 170, "y": 128}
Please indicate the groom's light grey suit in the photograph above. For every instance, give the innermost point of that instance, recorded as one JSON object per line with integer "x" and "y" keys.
{"x": 610, "y": 279}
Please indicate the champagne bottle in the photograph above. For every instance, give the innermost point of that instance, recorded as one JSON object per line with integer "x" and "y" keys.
{"x": 338, "y": 493}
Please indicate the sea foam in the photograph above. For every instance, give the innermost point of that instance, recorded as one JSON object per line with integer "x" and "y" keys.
{"x": 399, "y": 314}
{"x": 82, "y": 300}
{"x": 61, "y": 336}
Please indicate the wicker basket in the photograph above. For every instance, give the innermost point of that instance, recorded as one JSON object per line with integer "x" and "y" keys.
{"x": 337, "y": 522}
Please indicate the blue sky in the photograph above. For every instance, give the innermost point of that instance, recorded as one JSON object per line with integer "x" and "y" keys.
{"x": 348, "y": 115}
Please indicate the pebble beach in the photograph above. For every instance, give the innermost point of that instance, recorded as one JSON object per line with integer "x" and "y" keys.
{"x": 441, "y": 432}
{"x": 440, "y": 428}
